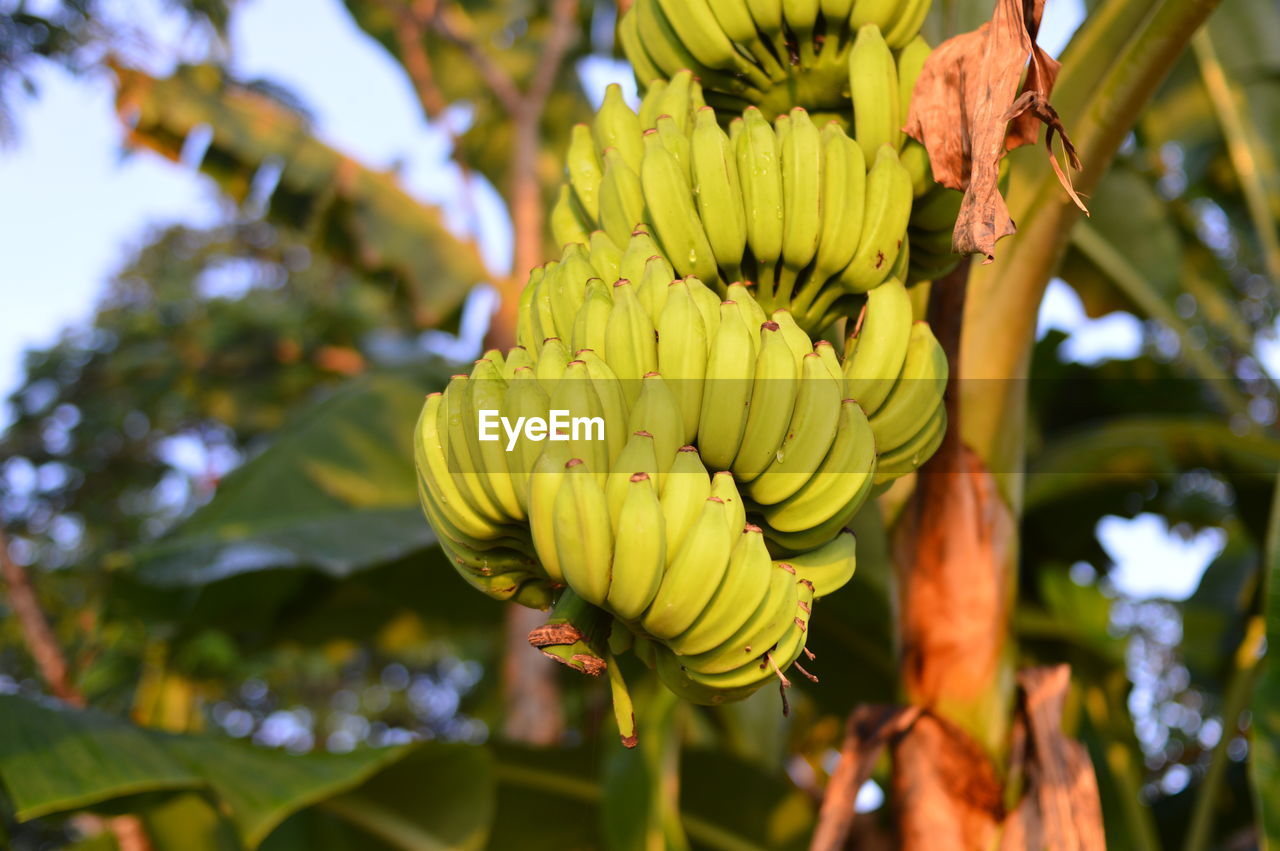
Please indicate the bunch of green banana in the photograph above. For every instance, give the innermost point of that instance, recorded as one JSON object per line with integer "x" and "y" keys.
{"x": 808, "y": 217}
{"x": 774, "y": 54}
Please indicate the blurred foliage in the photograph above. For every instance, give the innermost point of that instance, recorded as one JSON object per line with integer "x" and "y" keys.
{"x": 210, "y": 486}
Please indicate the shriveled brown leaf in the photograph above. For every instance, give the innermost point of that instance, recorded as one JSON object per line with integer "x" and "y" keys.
{"x": 867, "y": 732}
{"x": 967, "y": 111}
{"x": 1061, "y": 810}
{"x": 945, "y": 788}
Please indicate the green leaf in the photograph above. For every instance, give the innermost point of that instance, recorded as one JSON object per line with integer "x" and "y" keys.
{"x": 852, "y": 632}
{"x": 1136, "y": 449}
{"x": 441, "y": 796}
{"x": 56, "y": 760}
{"x": 359, "y": 216}
{"x": 336, "y": 492}
{"x": 725, "y": 803}
{"x": 261, "y": 786}
{"x": 1264, "y": 761}
{"x": 1135, "y": 224}
{"x": 60, "y": 760}
{"x": 188, "y": 821}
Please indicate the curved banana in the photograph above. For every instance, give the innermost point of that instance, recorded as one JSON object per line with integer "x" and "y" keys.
{"x": 621, "y": 197}
{"x": 745, "y": 583}
{"x": 873, "y": 86}
{"x": 630, "y": 343}
{"x": 809, "y": 435}
{"x": 916, "y": 395}
{"x": 616, "y": 126}
{"x": 569, "y": 223}
{"x": 684, "y": 489}
{"x": 640, "y": 549}
{"x": 657, "y": 412}
{"x": 879, "y": 346}
{"x": 682, "y": 353}
{"x": 726, "y": 394}
{"x": 718, "y": 192}
{"x": 583, "y": 534}
{"x": 585, "y": 171}
{"x": 672, "y": 213}
{"x": 801, "y": 163}
{"x": 761, "y": 179}
{"x": 592, "y": 322}
{"x": 888, "y": 207}
{"x": 773, "y": 395}
{"x": 693, "y": 574}
{"x": 830, "y": 567}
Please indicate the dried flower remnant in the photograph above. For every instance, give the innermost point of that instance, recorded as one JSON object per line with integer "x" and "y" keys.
{"x": 968, "y": 113}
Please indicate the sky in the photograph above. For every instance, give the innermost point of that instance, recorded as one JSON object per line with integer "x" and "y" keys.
{"x": 74, "y": 208}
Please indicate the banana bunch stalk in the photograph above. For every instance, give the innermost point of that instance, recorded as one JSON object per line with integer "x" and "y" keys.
{"x": 806, "y": 216}
{"x": 773, "y": 54}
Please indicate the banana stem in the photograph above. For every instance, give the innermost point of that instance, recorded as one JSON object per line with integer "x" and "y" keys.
{"x": 575, "y": 635}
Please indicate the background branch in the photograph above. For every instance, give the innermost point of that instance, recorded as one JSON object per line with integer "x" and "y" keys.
{"x": 451, "y": 23}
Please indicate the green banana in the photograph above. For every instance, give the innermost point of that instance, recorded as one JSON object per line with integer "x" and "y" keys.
{"x": 657, "y": 411}
{"x": 640, "y": 247}
{"x": 640, "y": 549}
{"x": 685, "y": 487}
{"x": 726, "y": 393}
{"x": 917, "y": 393}
{"x": 552, "y": 360}
{"x": 616, "y": 126}
{"x": 672, "y": 213}
{"x": 873, "y": 86}
{"x": 830, "y": 567}
{"x": 673, "y": 138}
{"x": 621, "y": 197}
{"x": 655, "y": 284}
{"x": 569, "y": 222}
{"x": 605, "y": 257}
{"x": 809, "y": 435}
{"x": 612, "y": 395}
{"x": 718, "y": 193}
{"x": 773, "y": 394}
{"x": 682, "y": 353}
{"x": 725, "y": 489}
{"x": 879, "y": 346}
{"x": 745, "y": 583}
{"x": 544, "y": 487}
{"x": 585, "y": 171}
{"x": 760, "y": 177}
{"x": 800, "y": 158}
{"x": 592, "y": 322}
{"x": 758, "y": 632}
{"x": 693, "y": 574}
{"x": 888, "y": 207}
{"x": 908, "y": 457}
{"x": 637, "y": 456}
{"x": 844, "y": 179}
{"x": 583, "y": 534}
{"x": 630, "y": 344}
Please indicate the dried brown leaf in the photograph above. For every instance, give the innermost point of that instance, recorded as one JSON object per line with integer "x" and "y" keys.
{"x": 867, "y": 732}
{"x": 945, "y": 788}
{"x": 1060, "y": 810}
{"x": 967, "y": 111}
